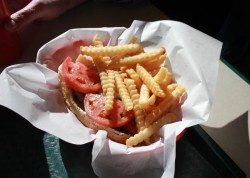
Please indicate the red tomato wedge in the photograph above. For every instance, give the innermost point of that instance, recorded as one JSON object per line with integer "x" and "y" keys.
{"x": 80, "y": 77}
{"x": 116, "y": 117}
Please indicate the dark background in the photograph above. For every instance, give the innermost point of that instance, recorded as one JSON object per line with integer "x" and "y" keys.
{"x": 227, "y": 21}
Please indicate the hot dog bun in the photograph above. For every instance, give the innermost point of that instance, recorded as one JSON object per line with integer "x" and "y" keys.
{"x": 73, "y": 104}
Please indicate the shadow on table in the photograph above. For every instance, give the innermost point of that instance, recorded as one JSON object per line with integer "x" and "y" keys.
{"x": 77, "y": 159}
{"x": 22, "y": 152}
{"x": 202, "y": 157}
{"x": 29, "y": 152}
{"x": 234, "y": 137}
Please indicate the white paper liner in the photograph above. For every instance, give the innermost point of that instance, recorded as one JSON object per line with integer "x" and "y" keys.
{"x": 31, "y": 90}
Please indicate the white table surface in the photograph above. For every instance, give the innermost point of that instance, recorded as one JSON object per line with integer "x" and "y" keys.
{"x": 229, "y": 123}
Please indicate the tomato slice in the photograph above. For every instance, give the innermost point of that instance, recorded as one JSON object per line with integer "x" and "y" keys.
{"x": 80, "y": 77}
{"x": 116, "y": 117}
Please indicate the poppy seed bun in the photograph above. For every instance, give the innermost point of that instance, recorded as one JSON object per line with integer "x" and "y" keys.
{"x": 81, "y": 115}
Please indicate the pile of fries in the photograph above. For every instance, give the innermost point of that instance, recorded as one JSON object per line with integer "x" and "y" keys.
{"x": 139, "y": 79}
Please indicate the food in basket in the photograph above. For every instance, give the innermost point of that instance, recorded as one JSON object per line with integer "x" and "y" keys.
{"x": 121, "y": 89}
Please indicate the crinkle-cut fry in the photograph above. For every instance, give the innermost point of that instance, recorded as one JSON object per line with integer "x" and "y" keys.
{"x": 110, "y": 95}
{"x": 164, "y": 105}
{"x": 144, "y": 97}
{"x": 162, "y": 58}
{"x": 124, "y": 75}
{"x": 154, "y": 64}
{"x": 126, "y": 49}
{"x": 149, "y": 81}
{"x": 99, "y": 63}
{"x": 152, "y": 129}
{"x": 139, "y": 113}
{"x": 142, "y": 57}
{"x": 168, "y": 79}
{"x": 149, "y": 109}
{"x": 152, "y": 100}
{"x": 133, "y": 75}
{"x": 86, "y": 60}
{"x": 123, "y": 92}
{"x": 171, "y": 87}
{"x": 132, "y": 40}
{"x": 153, "y": 72}
{"x": 158, "y": 111}
{"x": 104, "y": 81}
{"x": 115, "y": 60}
{"x": 161, "y": 75}
{"x": 106, "y": 60}
{"x": 178, "y": 91}
{"x": 96, "y": 41}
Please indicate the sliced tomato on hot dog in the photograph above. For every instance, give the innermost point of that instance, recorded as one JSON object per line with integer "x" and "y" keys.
{"x": 80, "y": 77}
{"x": 116, "y": 117}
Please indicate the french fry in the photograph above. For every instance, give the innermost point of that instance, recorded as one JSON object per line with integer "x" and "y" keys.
{"x": 149, "y": 81}
{"x": 172, "y": 87}
{"x": 144, "y": 97}
{"x": 132, "y": 61}
{"x": 104, "y": 81}
{"x": 154, "y": 64}
{"x": 123, "y": 92}
{"x": 152, "y": 100}
{"x": 110, "y": 95}
{"x": 133, "y": 75}
{"x": 148, "y": 132}
{"x": 165, "y": 105}
{"x": 106, "y": 60}
{"x": 96, "y": 41}
{"x": 139, "y": 79}
{"x": 99, "y": 63}
{"x": 139, "y": 113}
{"x": 126, "y": 49}
{"x": 163, "y": 77}
{"x": 132, "y": 40}
{"x": 86, "y": 60}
